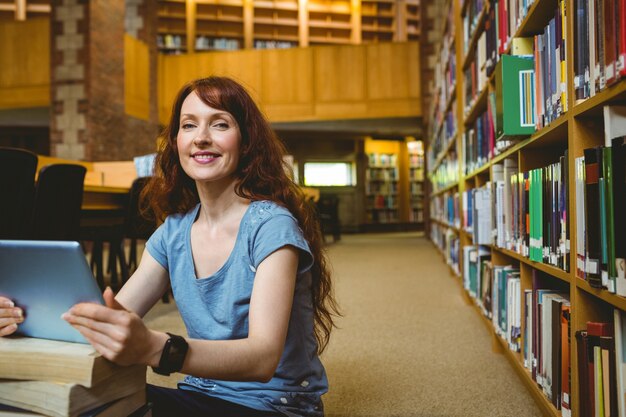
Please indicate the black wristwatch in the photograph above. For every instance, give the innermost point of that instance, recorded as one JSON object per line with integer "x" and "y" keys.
{"x": 173, "y": 355}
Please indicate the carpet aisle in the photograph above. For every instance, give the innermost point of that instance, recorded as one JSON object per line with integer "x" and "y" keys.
{"x": 408, "y": 345}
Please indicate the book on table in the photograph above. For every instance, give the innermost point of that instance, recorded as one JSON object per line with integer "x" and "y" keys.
{"x": 133, "y": 405}
{"x": 64, "y": 379}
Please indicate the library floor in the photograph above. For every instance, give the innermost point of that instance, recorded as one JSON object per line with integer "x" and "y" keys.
{"x": 408, "y": 345}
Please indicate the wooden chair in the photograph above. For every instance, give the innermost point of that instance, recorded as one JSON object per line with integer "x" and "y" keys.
{"x": 328, "y": 211}
{"x": 100, "y": 227}
{"x": 17, "y": 188}
{"x": 58, "y": 201}
{"x": 137, "y": 226}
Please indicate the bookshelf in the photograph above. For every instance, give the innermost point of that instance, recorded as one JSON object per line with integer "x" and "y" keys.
{"x": 378, "y": 20}
{"x": 219, "y": 25}
{"x": 172, "y": 26}
{"x": 412, "y": 20}
{"x": 477, "y": 166}
{"x": 275, "y": 24}
{"x": 381, "y": 188}
{"x": 416, "y": 181}
{"x": 188, "y": 26}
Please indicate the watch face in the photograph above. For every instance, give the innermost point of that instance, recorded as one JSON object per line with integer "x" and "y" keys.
{"x": 177, "y": 351}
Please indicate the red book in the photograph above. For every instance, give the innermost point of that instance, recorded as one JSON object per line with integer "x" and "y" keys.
{"x": 621, "y": 28}
{"x": 599, "y": 329}
{"x": 501, "y": 24}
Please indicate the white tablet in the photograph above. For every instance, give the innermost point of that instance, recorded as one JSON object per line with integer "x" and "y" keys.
{"x": 45, "y": 279}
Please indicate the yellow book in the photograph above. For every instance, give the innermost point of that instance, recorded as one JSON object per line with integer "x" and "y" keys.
{"x": 522, "y": 46}
{"x": 69, "y": 399}
{"x": 598, "y": 381}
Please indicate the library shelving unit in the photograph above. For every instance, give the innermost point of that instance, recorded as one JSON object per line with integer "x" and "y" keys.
{"x": 276, "y": 24}
{"x": 378, "y": 20}
{"x": 188, "y": 26}
{"x": 330, "y": 22}
{"x": 381, "y": 188}
{"x": 412, "y": 20}
{"x": 442, "y": 152}
{"x": 468, "y": 158}
{"x": 172, "y": 26}
{"x": 219, "y": 25}
{"x": 416, "y": 181}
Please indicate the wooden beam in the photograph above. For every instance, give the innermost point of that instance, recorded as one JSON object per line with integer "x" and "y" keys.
{"x": 355, "y": 17}
{"x": 248, "y": 24}
{"x": 303, "y": 22}
{"x": 20, "y": 10}
{"x": 191, "y": 25}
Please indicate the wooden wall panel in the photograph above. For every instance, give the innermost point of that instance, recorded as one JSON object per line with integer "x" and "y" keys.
{"x": 340, "y": 73}
{"x": 136, "y": 78}
{"x": 391, "y": 68}
{"x": 286, "y": 90}
{"x": 244, "y": 66}
{"x": 26, "y": 84}
{"x": 315, "y": 83}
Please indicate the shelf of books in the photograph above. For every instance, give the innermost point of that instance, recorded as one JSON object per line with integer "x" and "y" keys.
{"x": 186, "y": 26}
{"x": 276, "y": 24}
{"x": 381, "y": 188}
{"x": 172, "y": 27}
{"x": 527, "y": 164}
{"x": 416, "y": 181}
{"x": 413, "y": 20}
{"x": 378, "y": 21}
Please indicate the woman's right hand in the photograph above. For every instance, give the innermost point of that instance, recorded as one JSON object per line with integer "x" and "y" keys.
{"x": 10, "y": 316}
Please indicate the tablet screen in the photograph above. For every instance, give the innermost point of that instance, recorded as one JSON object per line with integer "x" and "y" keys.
{"x": 45, "y": 279}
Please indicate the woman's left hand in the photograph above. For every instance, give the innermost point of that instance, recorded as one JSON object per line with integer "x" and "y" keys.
{"x": 116, "y": 333}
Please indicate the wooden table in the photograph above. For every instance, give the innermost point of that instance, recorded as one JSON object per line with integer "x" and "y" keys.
{"x": 104, "y": 198}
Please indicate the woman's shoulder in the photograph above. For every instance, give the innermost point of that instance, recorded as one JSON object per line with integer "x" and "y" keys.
{"x": 267, "y": 208}
{"x": 175, "y": 220}
{"x": 261, "y": 211}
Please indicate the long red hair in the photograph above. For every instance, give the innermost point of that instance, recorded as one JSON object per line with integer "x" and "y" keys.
{"x": 261, "y": 173}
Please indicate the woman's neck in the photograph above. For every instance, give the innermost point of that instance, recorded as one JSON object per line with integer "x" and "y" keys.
{"x": 219, "y": 202}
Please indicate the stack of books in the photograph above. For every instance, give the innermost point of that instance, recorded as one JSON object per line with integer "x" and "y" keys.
{"x": 53, "y": 378}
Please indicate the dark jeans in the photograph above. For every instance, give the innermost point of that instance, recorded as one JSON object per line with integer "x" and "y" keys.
{"x": 171, "y": 402}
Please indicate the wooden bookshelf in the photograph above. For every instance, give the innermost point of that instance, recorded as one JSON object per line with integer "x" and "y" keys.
{"x": 579, "y": 127}
{"x": 188, "y": 26}
{"x": 416, "y": 182}
{"x": 172, "y": 26}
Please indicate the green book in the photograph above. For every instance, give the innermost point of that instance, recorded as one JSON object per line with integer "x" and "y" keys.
{"x": 603, "y": 208}
{"x": 515, "y": 107}
{"x": 607, "y": 174}
{"x": 536, "y": 215}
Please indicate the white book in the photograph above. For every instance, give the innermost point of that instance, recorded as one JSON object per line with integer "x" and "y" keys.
{"x": 526, "y": 338}
{"x": 546, "y": 344}
{"x": 580, "y": 211}
{"x": 510, "y": 170}
{"x": 614, "y": 123}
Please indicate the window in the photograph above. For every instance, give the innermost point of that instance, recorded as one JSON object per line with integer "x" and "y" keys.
{"x": 322, "y": 174}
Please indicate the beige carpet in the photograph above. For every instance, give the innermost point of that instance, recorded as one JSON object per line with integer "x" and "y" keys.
{"x": 408, "y": 344}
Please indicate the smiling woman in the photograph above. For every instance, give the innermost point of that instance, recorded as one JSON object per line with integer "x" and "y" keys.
{"x": 241, "y": 249}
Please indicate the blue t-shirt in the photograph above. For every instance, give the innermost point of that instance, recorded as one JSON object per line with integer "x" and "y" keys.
{"x": 217, "y": 307}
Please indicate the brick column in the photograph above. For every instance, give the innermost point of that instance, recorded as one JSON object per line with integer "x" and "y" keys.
{"x": 88, "y": 120}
